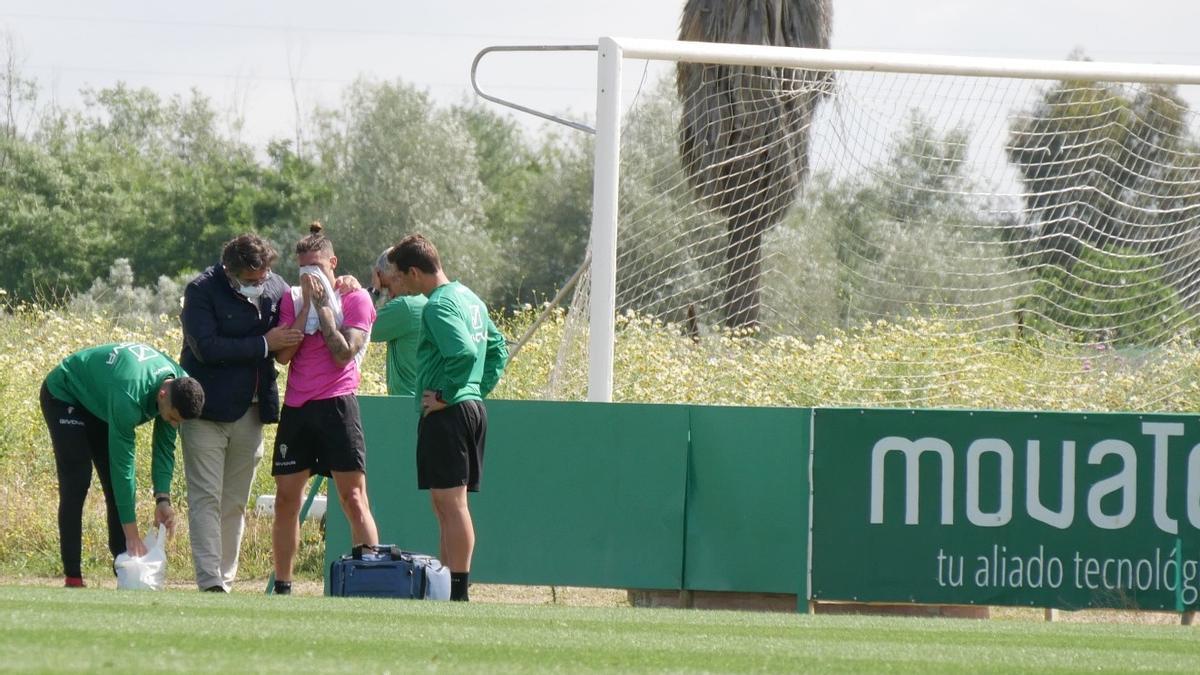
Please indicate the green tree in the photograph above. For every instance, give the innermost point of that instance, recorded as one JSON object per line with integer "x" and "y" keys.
{"x": 182, "y": 187}
{"x": 39, "y": 232}
{"x": 551, "y": 242}
{"x": 1113, "y": 296}
{"x": 507, "y": 166}
{"x": 1111, "y": 178}
{"x": 1105, "y": 165}
{"x": 538, "y": 203}
{"x": 903, "y": 238}
{"x": 133, "y": 176}
{"x": 396, "y": 164}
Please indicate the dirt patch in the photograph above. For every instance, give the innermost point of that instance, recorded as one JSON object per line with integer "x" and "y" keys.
{"x": 494, "y": 593}
{"x": 613, "y": 597}
{"x": 1087, "y": 615}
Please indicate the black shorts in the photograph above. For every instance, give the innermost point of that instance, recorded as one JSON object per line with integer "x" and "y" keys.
{"x": 450, "y": 447}
{"x": 320, "y": 436}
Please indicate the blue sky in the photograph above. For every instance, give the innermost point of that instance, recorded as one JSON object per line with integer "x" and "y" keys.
{"x": 245, "y": 55}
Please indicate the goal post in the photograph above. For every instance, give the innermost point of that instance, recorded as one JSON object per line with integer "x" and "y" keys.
{"x": 602, "y": 323}
{"x": 1090, "y": 203}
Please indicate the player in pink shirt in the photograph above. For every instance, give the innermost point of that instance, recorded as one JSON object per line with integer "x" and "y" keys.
{"x": 320, "y": 429}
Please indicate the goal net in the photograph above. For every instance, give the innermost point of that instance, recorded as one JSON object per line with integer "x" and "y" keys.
{"x": 804, "y": 227}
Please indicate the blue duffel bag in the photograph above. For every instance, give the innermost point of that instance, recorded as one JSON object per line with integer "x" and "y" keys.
{"x": 384, "y": 571}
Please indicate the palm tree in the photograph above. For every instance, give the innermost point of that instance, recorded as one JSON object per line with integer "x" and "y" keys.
{"x": 743, "y": 138}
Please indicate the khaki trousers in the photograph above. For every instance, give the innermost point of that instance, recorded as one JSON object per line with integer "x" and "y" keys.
{"x": 219, "y": 460}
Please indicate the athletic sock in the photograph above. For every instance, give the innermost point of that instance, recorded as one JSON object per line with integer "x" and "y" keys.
{"x": 74, "y": 582}
{"x": 458, "y": 586}
{"x": 283, "y": 587}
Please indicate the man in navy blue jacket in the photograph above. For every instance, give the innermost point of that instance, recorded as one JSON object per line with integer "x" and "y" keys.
{"x": 230, "y": 312}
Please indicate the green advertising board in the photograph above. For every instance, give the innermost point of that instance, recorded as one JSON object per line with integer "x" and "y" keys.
{"x": 572, "y": 493}
{"x": 1006, "y": 508}
{"x": 662, "y": 497}
{"x": 747, "y": 500}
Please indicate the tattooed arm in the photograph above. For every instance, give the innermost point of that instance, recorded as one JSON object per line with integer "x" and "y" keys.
{"x": 343, "y": 343}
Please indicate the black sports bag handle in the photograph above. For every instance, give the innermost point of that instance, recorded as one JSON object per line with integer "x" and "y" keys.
{"x": 389, "y": 550}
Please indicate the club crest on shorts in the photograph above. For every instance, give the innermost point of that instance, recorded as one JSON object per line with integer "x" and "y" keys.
{"x": 283, "y": 450}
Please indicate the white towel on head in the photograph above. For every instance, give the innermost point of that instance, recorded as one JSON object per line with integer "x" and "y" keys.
{"x": 313, "y": 323}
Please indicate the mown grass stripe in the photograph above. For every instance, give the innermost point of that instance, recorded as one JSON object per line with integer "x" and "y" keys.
{"x": 45, "y": 629}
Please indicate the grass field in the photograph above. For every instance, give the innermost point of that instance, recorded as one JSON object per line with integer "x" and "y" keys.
{"x": 58, "y": 630}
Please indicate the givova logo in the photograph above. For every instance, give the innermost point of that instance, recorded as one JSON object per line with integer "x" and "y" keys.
{"x": 1123, "y": 483}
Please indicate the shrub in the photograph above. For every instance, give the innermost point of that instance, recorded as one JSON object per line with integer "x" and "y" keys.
{"x": 918, "y": 362}
{"x": 1114, "y": 296}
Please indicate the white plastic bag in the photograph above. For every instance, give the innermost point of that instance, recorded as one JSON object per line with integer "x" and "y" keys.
{"x": 148, "y": 572}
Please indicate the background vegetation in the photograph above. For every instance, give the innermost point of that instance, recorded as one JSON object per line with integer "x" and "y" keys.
{"x": 163, "y": 183}
{"x": 108, "y": 209}
{"x": 662, "y": 364}
{"x": 1110, "y": 179}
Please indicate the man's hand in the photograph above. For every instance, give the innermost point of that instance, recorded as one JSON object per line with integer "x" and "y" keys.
{"x": 307, "y": 283}
{"x": 282, "y": 337}
{"x": 348, "y": 283}
{"x": 430, "y": 402}
{"x": 134, "y": 545}
{"x": 314, "y": 291}
{"x": 165, "y": 515}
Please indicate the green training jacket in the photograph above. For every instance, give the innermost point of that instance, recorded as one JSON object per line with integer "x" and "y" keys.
{"x": 460, "y": 352}
{"x": 398, "y": 323}
{"x": 119, "y": 383}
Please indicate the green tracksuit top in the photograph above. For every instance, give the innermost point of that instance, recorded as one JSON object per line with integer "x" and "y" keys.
{"x": 398, "y": 323}
{"x": 460, "y": 352}
{"x": 119, "y": 383}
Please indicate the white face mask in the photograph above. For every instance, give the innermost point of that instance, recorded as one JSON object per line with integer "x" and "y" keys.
{"x": 251, "y": 292}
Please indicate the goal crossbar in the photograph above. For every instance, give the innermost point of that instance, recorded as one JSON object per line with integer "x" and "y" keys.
{"x": 899, "y": 62}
